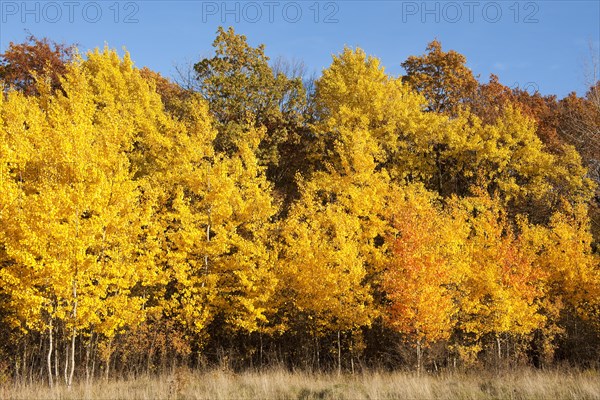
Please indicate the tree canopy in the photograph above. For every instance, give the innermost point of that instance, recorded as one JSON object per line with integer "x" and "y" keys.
{"x": 419, "y": 218}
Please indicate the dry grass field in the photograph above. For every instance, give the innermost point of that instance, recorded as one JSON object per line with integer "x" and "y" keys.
{"x": 278, "y": 384}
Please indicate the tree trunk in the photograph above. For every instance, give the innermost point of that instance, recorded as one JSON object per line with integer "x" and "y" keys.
{"x": 40, "y": 361}
{"x": 24, "y": 369}
{"x": 150, "y": 355}
{"x": 317, "y": 353}
{"x": 72, "y": 357}
{"x": 17, "y": 364}
{"x": 67, "y": 364}
{"x": 499, "y": 348}
{"x": 419, "y": 357}
{"x": 56, "y": 366}
{"x": 74, "y": 335}
{"x": 50, "y": 345}
{"x": 339, "y": 343}
{"x": 88, "y": 351}
{"x": 261, "y": 350}
{"x": 94, "y": 347}
{"x": 207, "y": 228}
{"x": 352, "y": 352}
{"x": 107, "y": 371}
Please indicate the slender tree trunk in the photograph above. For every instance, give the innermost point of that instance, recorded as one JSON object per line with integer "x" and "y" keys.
{"x": 88, "y": 350}
{"x": 208, "y": 224}
{"x": 317, "y": 352}
{"x": 419, "y": 357}
{"x": 352, "y": 352}
{"x": 107, "y": 371}
{"x": 56, "y": 366}
{"x": 94, "y": 357}
{"x": 38, "y": 360}
{"x": 499, "y": 348}
{"x": 74, "y": 335}
{"x": 17, "y": 364}
{"x": 339, "y": 343}
{"x": 150, "y": 353}
{"x": 207, "y": 241}
{"x": 67, "y": 364}
{"x": 50, "y": 348}
{"x": 261, "y": 350}
{"x": 24, "y": 369}
{"x": 31, "y": 364}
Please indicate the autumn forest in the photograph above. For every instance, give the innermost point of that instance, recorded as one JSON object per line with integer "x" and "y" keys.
{"x": 248, "y": 215}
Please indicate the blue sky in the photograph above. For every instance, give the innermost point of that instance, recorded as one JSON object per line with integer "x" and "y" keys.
{"x": 530, "y": 44}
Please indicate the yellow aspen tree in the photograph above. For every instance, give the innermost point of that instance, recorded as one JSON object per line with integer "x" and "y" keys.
{"x": 508, "y": 159}
{"x": 334, "y": 235}
{"x": 72, "y": 234}
{"x": 502, "y": 290}
{"x": 216, "y": 212}
{"x": 563, "y": 251}
{"x": 323, "y": 265}
{"x": 356, "y": 92}
{"x": 449, "y": 155}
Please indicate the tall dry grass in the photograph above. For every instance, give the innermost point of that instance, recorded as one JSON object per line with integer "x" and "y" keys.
{"x": 280, "y": 384}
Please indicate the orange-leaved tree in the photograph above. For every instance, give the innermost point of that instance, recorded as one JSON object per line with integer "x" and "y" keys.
{"x": 428, "y": 261}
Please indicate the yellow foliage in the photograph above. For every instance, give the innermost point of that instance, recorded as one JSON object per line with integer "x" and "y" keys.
{"x": 74, "y": 205}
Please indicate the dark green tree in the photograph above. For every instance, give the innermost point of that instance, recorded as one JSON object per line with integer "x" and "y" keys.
{"x": 244, "y": 91}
